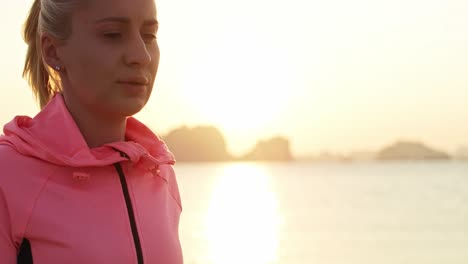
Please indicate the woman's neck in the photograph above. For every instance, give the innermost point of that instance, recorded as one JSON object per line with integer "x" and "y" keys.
{"x": 97, "y": 129}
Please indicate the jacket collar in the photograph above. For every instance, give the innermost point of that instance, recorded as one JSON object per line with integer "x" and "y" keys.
{"x": 53, "y": 136}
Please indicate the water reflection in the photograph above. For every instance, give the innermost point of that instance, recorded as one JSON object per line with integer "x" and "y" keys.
{"x": 242, "y": 220}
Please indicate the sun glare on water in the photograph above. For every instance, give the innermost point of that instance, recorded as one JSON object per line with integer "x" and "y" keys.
{"x": 243, "y": 221}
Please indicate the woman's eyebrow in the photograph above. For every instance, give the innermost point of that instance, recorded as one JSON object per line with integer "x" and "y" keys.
{"x": 125, "y": 20}
{"x": 151, "y": 22}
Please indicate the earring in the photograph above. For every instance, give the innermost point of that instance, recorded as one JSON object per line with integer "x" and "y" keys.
{"x": 57, "y": 68}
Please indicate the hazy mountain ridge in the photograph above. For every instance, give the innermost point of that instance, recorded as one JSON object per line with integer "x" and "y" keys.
{"x": 208, "y": 144}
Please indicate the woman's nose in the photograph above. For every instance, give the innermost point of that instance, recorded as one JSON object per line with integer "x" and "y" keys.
{"x": 137, "y": 54}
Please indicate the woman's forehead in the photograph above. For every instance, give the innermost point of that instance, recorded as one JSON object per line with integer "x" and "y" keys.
{"x": 129, "y": 9}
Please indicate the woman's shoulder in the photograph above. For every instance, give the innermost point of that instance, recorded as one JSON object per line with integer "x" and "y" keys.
{"x": 9, "y": 157}
{"x": 20, "y": 171}
{"x": 22, "y": 179}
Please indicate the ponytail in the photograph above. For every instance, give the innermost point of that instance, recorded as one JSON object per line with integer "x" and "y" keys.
{"x": 42, "y": 82}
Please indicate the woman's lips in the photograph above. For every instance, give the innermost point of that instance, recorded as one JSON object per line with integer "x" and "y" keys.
{"x": 134, "y": 85}
{"x": 138, "y": 80}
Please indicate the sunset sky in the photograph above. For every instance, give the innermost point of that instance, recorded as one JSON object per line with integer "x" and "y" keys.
{"x": 334, "y": 75}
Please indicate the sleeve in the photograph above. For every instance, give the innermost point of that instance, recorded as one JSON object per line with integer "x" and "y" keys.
{"x": 7, "y": 246}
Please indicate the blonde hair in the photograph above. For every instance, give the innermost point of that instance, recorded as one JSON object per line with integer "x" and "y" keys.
{"x": 53, "y": 17}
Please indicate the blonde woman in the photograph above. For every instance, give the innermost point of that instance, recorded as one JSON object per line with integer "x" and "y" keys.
{"x": 83, "y": 181}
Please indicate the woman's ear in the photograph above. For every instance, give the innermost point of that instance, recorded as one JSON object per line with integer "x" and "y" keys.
{"x": 49, "y": 47}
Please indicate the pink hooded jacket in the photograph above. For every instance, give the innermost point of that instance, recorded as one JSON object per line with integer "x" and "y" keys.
{"x": 118, "y": 203}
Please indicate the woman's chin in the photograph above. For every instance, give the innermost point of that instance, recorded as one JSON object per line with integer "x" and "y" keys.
{"x": 130, "y": 106}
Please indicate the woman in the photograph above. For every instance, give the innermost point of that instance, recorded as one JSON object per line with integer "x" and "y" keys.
{"x": 83, "y": 181}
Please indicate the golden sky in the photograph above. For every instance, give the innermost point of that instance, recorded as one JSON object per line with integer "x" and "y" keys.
{"x": 335, "y": 75}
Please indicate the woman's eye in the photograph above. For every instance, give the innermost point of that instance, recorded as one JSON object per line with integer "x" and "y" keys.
{"x": 150, "y": 37}
{"x": 113, "y": 35}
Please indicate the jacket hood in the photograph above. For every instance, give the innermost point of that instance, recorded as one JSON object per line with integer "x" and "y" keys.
{"x": 53, "y": 136}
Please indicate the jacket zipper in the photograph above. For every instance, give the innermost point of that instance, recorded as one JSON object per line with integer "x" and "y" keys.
{"x": 131, "y": 215}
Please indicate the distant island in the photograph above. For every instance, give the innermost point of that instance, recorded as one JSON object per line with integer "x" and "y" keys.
{"x": 274, "y": 149}
{"x": 461, "y": 153}
{"x": 208, "y": 144}
{"x": 398, "y": 151}
{"x": 198, "y": 144}
{"x": 406, "y": 150}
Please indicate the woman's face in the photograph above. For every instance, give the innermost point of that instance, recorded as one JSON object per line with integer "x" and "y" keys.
{"x": 111, "y": 58}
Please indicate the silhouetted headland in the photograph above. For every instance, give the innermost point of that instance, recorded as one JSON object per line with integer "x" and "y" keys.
{"x": 207, "y": 144}
{"x": 274, "y": 149}
{"x": 198, "y": 144}
{"x": 406, "y": 150}
{"x": 461, "y": 153}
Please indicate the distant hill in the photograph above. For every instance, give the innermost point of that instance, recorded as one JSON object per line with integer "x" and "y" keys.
{"x": 207, "y": 144}
{"x": 274, "y": 149}
{"x": 406, "y": 150}
{"x": 201, "y": 143}
{"x": 461, "y": 153}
